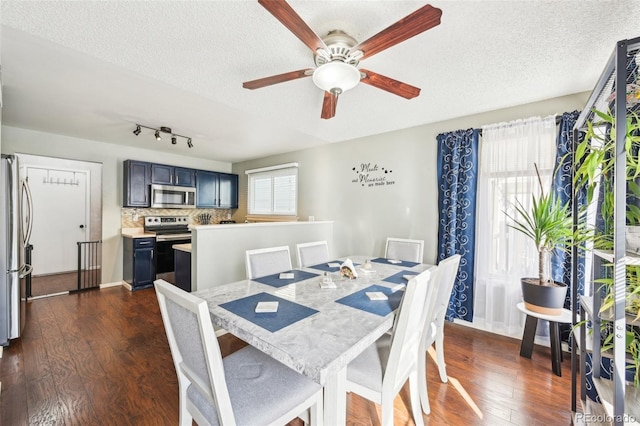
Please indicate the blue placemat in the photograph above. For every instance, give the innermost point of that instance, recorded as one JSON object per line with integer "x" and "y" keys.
{"x": 403, "y": 263}
{"x": 359, "y": 300}
{"x": 325, "y": 266}
{"x": 398, "y": 277}
{"x": 275, "y": 281}
{"x": 288, "y": 312}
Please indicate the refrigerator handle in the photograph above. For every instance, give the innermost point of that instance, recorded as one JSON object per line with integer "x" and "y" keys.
{"x": 25, "y": 270}
{"x": 29, "y": 216}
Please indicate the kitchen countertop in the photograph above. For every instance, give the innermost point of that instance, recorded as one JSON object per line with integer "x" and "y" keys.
{"x": 136, "y": 233}
{"x": 182, "y": 247}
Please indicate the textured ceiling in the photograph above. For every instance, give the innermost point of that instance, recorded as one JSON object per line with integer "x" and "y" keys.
{"x": 94, "y": 69}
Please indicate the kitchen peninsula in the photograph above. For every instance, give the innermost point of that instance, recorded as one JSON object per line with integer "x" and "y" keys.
{"x": 218, "y": 251}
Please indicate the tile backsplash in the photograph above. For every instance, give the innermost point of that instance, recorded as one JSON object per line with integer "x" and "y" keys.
{"x": 128, "y": 217}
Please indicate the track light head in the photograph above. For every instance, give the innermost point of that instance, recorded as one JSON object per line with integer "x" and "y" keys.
{"x": 163, "y": 129}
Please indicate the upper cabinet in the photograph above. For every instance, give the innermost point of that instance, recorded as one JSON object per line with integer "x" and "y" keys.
{"x": 137, "y": 176}
{"x": 216, "y": 190}
{"x": 213, "y": 189}
{"x": 206, "y": 189}
{"x": 170, "y": 175}
{"x": 228, "y": 190}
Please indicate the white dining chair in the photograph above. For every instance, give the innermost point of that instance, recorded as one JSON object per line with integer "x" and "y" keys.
{"x": 313, "y": 253}
{"x": 383, "y": 368}
{"x": 442, "y": 280}
{"x": 246, "y": 387}
{"x": 404, "y": 249}
{"x": 267, "y": 261}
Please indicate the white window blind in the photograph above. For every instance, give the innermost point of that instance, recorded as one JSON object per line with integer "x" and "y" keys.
{"x": 273, "y": 190}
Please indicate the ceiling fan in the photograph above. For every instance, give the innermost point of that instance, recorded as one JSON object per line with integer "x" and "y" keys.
{"x": 337, "y": 55}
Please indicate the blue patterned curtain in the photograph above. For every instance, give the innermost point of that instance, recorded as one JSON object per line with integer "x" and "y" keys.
{"x": 457, "y": 183}
{"x": 561, "y": 261}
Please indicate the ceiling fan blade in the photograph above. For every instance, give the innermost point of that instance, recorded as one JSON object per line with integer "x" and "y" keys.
{"x": 275, "y": 79}
{"x": 284, "y": 13}
{"x": 389, "y": 84}
{"x": 419, "y": 21}
{"x": 329, "y": 105}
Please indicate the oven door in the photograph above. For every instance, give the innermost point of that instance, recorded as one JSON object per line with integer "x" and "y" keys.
{"x": 164, "y": 251}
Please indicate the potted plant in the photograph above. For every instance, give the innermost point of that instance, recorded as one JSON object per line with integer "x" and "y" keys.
{"x": 549, "y": 224}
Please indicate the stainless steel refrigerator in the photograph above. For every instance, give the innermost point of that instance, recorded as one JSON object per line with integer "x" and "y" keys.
{"x": 15, "y": 229}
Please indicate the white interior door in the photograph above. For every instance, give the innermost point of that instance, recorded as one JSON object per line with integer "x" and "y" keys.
{"x": 60, "y": 218}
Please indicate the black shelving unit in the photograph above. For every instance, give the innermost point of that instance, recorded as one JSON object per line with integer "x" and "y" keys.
{"x": 620, "y": 402}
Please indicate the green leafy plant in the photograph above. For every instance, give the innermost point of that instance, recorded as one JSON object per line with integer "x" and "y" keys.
{"x": 595, "y": 157}
{"x": 548, "y": 223}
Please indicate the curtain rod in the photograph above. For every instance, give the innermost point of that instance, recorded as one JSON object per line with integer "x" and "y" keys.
{"x": 558, "y": 118}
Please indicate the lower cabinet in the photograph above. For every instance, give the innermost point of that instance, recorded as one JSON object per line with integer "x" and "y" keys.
{"x": 183, "y": 269}
{"x": 139, "y": 263}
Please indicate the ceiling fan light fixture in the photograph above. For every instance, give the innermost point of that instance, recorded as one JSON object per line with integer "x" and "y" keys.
{"x": 157, "y": 134}
{"x": 336, "y": 77}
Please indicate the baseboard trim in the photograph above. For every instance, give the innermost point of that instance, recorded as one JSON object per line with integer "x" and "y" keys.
{"x": 113, "y": 284}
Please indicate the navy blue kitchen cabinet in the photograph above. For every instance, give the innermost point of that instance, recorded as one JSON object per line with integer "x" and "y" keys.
{"x": 183, "y": 269}
{"x": 139, "y": 263}
{"x": 206, "y": 189}
{"x": 228, "y": 190}
{"x": 216, "y": 190}
{"x": 169, "y": 175}
{"x": 137, "y": 176}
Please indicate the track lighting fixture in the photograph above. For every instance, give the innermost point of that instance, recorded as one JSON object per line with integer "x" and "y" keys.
{"x": 163, "y": 129}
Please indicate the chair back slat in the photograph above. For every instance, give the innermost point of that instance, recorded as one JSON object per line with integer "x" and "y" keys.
{"x": 404, "y": 249}
{"x": 268, "y": 261}
{"x": 313, "y": 253}
{"x": 445, "y": 279}
{"x": 408, "y": 330}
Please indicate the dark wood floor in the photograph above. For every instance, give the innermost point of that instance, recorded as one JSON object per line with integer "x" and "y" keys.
{"x": 55, "y": 283}
{"x": 101, "y": 357}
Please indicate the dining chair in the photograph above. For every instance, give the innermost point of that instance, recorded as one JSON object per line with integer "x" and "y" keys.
{"x": 314, "y": 253}
{"x": 382, "y": 369}
{"x": 404, "y": 249}
{"x": 442, "y": 281}
{"x": 267, "y": 261}
{"x": 246, "y": 387}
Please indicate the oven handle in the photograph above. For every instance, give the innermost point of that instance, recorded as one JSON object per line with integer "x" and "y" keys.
{"x": 173, "y": 237}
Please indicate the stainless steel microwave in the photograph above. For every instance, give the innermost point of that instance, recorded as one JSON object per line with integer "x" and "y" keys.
{"x": 173, "y": 197}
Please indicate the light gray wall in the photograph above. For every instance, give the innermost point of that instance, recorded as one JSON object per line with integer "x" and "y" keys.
{"x": 364, "y": 216}
{"x": 16, "y": 140}
{"x": 218, "y": 255}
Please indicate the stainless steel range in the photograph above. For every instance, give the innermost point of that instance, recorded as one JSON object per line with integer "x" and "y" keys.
{"x": 169, "y": 230}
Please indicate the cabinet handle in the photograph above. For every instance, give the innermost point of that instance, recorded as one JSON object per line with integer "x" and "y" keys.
{"x": 144, "y": 243}
{"x": 152, "y": 254}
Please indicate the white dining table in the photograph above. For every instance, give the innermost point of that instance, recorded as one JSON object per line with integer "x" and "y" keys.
{"x": 321, "y": 345}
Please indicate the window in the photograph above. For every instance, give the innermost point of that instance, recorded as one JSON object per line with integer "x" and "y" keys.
{"x": 273, "y": 190}
{"x": 508, "y": 152}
